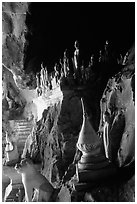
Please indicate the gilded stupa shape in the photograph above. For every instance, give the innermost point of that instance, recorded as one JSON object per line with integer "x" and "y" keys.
{"x": 88, "y": 142}
{"x": 93, "y": 165}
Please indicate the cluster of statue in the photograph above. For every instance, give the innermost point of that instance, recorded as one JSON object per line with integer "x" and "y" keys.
{"x": 77, "y": 74}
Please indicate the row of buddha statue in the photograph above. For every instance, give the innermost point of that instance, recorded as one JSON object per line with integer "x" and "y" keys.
{"x": 74, "y": 71}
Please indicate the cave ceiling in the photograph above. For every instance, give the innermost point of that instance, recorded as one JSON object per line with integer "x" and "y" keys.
{"x": 54, "y": 27}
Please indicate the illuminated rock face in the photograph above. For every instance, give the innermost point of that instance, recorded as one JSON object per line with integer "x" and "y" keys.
{"x": 118, "y": 118}
{"x": 56, "y": 135}
{"x": 117, "y": 125}
{"x": 13, "y": 28}
{"x": 13, "y": 41}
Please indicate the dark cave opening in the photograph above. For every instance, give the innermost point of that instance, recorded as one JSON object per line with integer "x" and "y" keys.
{"x": 53, "y": 27}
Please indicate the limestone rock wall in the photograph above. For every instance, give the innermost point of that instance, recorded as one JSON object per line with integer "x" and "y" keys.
{"x": 13, "y": 43}
{"x": 118, "y": 117}
{"x": 54, "y": 139}
{"x": 117, "y": 127}
{"x": 14, "y": 31}
{"x": 13, "y": 38}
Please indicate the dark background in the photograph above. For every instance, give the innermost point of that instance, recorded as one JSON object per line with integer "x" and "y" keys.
{"x": 53, "y": 27}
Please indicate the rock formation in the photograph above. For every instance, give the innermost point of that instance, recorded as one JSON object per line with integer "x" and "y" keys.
{"x": 14, "y": 29}
{"x": 118, "y": 117}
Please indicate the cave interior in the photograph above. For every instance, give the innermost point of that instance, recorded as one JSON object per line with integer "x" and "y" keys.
{"x": 45, "y": 118}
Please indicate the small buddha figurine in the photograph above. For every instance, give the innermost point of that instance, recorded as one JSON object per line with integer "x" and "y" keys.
{"x": 76, "y": 55}
{"x": 11, "y": 151}
{"x": 106, "y": 50}
{"x": 106, "y": 45}
{"x": 76, "y": 63}
{"x": 100, "y": 56}
{"x": 66, "y": 63}
{"x": 125, "y": 59}
{"x": 91, "y": 63}
{"x": 42, "y": 75}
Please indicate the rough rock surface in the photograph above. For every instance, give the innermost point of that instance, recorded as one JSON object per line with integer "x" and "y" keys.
{"x": 56, "y": 136}
{"x": 118, "y": 112}
{"x": 14, "y": 42}
{"x": 14, "y": 28}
